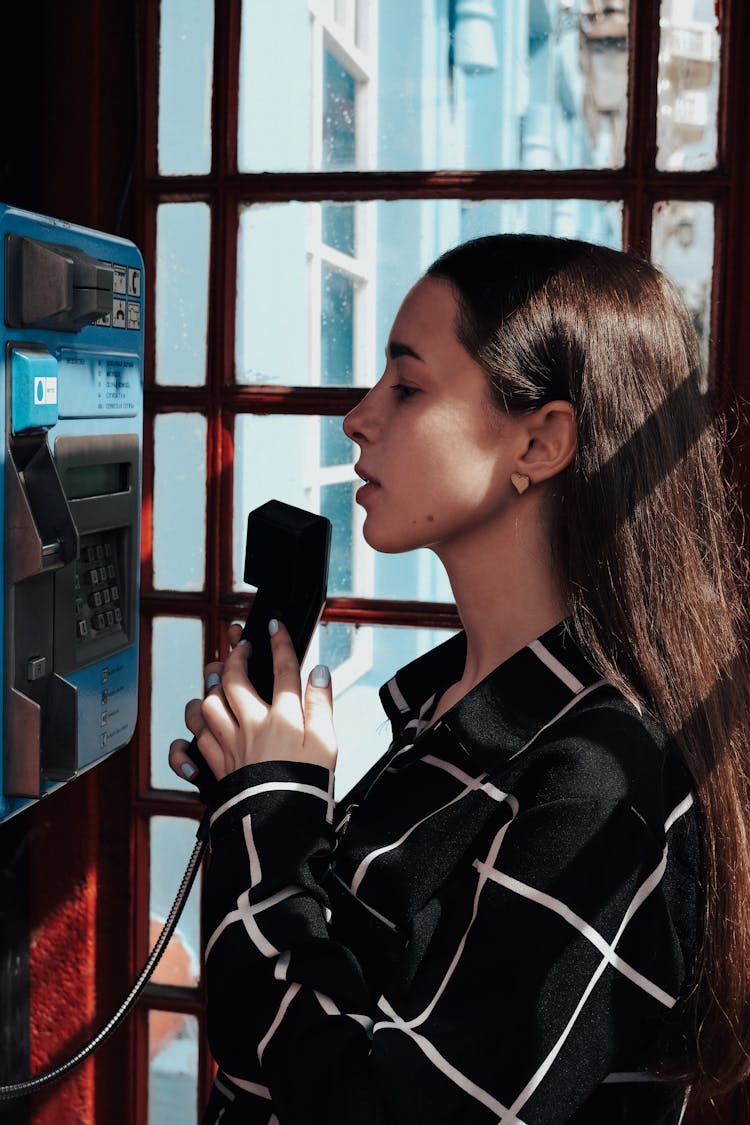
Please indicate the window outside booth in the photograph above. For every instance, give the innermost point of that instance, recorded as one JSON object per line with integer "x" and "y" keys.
{"x": 305, "y": 161}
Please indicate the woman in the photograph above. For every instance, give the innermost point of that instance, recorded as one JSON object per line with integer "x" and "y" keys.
{"x": 534, "y": 908}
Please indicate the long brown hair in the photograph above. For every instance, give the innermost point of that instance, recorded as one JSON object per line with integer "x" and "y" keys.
{"x": 646, "y": 542}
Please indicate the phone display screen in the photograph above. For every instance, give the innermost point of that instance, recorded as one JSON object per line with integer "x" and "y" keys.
{"x": 83, "y": 481}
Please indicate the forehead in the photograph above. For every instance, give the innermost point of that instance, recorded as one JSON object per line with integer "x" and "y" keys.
{"x": 429, "y": 308}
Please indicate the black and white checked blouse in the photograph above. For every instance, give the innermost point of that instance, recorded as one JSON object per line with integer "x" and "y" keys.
{"x": 502, "y": 933}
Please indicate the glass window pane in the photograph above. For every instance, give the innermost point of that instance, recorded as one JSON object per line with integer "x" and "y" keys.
{"x": 462, "y": 85}
{"x": 339, "y": 135}
{"x": 181, "y": 314}
{"x": 274, "y": 109}
{"x": 186, "y": 48}
{"x": 337, "y": 505}
{"x": 682, "y": 245}
{"x": 688, "y": 85}
{"x": 272, "y": 287}
{"x": 308, "y": 316}
{"x": 172, "y": 843}
{"x": 176, "y": 676}
{"x": 336, "y": 327}
{"x": 179, "y": 501}
{"x": 338, "y": 226}
{"x": 362, "y": 659}
{"x": 172, "y": 1069}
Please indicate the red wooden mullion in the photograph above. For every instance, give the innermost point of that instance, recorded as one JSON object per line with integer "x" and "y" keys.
{"x": 510, "y": 183}
{"x": 640, "y": 141}
{"x": 257, "y": 399}
{"x": 219, "y": 359}
{"x": 166, "y": 998}
{"x": 230, "y": 72}
{"x": 731, "y": 323}
{"x": 149, "y": 51}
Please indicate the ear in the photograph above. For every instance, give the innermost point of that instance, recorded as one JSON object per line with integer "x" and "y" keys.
{"x": 551, "y": 436}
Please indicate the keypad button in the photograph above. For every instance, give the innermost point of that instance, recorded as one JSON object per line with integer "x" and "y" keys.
{"x": 118, "y": 616}
{"x": 90, "y": 554}
{"x": 94, "y": 577}
{"x": 95, "y": 600}
{"x": 110, "y": 617}
{"x": 107, "y": 597}
{"x": 108, "y": 550}
{"x": 115, "y": 592}
{"x": 102, "y": 574}
{"x": 82, "y": 628}
{"x": 111, "y": 571}
{"x": 99, "y": 621}
{"x": 99, "y": 551}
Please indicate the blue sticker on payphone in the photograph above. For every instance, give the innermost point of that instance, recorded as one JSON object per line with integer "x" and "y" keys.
{"x": 72, "y": 336}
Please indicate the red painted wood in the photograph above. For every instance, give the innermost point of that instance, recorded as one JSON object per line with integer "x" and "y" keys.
{"x": 63, "y": 944}
{"x": 281, "y": 187}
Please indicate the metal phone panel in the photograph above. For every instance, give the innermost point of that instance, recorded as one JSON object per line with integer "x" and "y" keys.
{"x": 71, "y": 346}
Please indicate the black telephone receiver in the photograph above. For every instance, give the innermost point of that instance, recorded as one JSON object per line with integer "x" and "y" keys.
{"x": 286, "y": 558}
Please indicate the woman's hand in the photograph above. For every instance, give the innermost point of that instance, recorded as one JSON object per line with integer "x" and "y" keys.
{"x": 234, "y": 727}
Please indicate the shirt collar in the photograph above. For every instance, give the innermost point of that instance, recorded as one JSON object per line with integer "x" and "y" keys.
{"x": 498, "y": 717}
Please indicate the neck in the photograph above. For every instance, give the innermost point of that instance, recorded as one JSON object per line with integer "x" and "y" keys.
{"x": 507, "y": 594}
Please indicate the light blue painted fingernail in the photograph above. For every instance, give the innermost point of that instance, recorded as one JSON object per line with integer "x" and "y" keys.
{"x": 213, "y": 679}
{"x": 320, "y": 676}
{"x": 273, "y": 627}
{"x": 242, "y": 641}
{"x": 188, "y": 770}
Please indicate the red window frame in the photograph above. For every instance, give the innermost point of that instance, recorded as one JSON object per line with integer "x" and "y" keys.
{"x": 638, "y": 185}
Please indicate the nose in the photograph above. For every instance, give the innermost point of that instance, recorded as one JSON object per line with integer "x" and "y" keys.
{"x": 358, "y": 422}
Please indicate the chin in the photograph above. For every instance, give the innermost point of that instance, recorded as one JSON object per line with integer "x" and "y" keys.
{"x": 378, "y": 543}
{"x": 391, "y": 543}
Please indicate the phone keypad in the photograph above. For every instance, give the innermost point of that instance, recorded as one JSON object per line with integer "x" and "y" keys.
{"x": 97, "y": 583}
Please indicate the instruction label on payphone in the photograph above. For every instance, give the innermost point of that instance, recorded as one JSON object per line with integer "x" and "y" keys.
{"x": 72, "y": 426}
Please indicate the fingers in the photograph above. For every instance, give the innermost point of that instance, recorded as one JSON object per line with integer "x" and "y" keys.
{"x": 215, "y": 712}
{"x": 210, "y": 712}
{"x": 320, "y": 736}
{"x": 242, "y": 697}
{"x": 193, "y": 718}
{"x": 287, "y": 689}
{"x": 212, "y": 725}
{"x": 208, "y": 730}
{"x": 179, "y": 761}
{"x": 234, "y": 633}
{"x": 233, "y": 726}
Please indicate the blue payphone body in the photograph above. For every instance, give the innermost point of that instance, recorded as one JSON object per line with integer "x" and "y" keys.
{"x": 72, "y": 350}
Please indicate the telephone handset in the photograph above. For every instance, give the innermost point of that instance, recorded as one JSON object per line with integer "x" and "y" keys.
{"x": 286, "y": 558}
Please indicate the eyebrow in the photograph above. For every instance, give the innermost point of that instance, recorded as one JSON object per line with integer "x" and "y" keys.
{"x": 396, "y": 349}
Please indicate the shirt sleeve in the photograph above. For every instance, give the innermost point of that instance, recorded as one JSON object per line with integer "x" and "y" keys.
{"x": 542, "y": 961}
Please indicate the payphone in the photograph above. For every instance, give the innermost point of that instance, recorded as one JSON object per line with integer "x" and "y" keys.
{"x": 72, "y": 350}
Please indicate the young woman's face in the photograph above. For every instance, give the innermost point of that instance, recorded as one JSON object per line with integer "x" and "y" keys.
{"x": 435, "y": 453}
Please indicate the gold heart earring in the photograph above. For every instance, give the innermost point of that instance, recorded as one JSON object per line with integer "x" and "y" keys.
{"x": 520, "y": 482}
